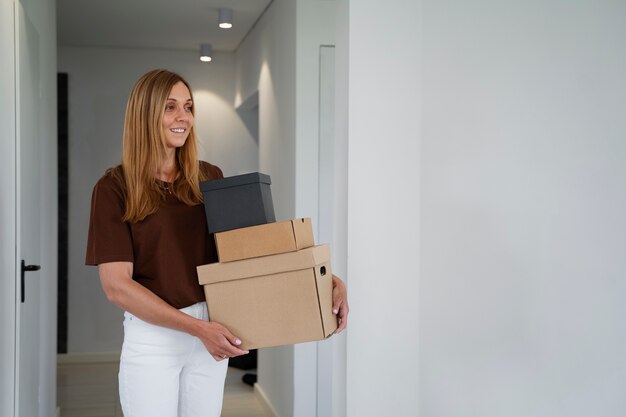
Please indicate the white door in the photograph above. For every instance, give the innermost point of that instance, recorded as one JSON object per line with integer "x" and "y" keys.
{"x": 28, "y": 214}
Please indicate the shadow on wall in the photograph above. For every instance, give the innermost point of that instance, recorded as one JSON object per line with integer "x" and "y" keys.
{"x": 249, "y": 113}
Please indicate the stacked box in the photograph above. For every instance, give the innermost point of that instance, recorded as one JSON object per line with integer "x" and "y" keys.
{"x": 239, "y": 201}
{"x": 271, "y": 286}
{"x": 272, "y": 300}
{"x": 264, "y": 240}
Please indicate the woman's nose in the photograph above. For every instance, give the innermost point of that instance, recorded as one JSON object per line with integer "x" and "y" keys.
{"x": 182, "y": 114}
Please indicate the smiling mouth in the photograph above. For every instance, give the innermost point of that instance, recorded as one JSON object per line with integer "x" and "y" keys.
{"x": 178, "y": 130}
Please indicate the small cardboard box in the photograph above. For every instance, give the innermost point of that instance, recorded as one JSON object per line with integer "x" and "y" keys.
{"x": 264, "y": 240}
{"x": 239, "y": 201}
{"x": 273, "y": 300}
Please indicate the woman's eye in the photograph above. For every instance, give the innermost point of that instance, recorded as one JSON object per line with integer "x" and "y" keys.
{"x": 189, "y": 108}
{"x": 170, "y": 107}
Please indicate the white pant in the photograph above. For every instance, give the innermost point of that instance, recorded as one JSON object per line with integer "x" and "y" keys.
{"x": 167, "y": 373}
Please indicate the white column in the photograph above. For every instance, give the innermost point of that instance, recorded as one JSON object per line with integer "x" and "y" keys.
{"x": 383, "y": 202}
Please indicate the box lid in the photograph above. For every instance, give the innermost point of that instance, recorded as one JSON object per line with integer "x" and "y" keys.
{"x": 235, "y": 181}
{"x": 272, "y": 264}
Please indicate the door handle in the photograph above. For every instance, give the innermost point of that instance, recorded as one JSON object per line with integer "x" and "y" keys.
{"x": 25, "y": 269}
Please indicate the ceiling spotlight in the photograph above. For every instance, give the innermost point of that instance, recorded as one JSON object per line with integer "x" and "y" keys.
{"x": 225, "y": 19}
{"x": 206, "y": 52}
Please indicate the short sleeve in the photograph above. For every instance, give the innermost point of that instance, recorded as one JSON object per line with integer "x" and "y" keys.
{"x": 213, "y": 172}
{"x": 109, "y": 238}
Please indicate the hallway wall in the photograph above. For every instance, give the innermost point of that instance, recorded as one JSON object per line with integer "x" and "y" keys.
{"x": 522, "y": 209}
{"x": 485, "y": 213}
{"x": 100, "y": 80}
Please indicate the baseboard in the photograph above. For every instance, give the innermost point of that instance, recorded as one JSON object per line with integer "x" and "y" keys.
{"x": 88, "y": 357}
{"x": 265, "y": 403}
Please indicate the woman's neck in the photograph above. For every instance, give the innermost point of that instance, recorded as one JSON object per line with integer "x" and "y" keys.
{"x": 168, "y": 170}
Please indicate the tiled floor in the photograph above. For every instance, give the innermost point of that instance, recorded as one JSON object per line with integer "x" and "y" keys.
{"x": 90, "y": 390}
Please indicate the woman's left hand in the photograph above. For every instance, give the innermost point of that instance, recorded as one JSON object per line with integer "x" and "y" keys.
{"x": 340, "y": 303}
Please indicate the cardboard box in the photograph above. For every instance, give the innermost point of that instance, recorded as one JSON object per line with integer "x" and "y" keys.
{"x": 239, "y": 201}
{"x": 264, "y": 240}
{"x": 273, "y": 300}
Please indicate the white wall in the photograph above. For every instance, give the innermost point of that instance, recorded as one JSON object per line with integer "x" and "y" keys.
{"x": 486, "y": 201}
{"x": 522, "y": 209}
{"x": 383, "y": 207}
{"x": 100, "y": 80}
{"x": 265, "y": 64}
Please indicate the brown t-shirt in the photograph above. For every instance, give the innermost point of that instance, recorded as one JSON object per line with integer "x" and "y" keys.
{"x": 165, "y": 247}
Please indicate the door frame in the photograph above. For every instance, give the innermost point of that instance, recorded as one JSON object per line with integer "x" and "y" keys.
{"x": 8, "y": 210}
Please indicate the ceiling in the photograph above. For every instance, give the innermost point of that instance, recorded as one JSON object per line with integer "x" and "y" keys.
{"x": 163, "y": 24}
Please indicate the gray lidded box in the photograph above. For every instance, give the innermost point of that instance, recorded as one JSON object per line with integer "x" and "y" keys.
{"x": 239, "y": 201}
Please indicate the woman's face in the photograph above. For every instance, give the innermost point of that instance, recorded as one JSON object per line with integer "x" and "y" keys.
{"x": 178, "y": 118}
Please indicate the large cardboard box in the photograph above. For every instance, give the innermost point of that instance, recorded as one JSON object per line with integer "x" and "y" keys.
{"x": 264, "y": 240}
{"x": 238, "y": 201}
{"x": 273, "y": 300}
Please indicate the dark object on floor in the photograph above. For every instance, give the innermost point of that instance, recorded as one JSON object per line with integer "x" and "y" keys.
{"x": 249, "y": 379}
{"x": 244, "y": 362}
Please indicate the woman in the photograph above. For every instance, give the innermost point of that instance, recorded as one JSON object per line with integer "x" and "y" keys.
{"x": 147, "y": 234}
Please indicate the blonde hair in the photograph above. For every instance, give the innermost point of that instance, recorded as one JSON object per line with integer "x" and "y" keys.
{"x": 144, "y": 149}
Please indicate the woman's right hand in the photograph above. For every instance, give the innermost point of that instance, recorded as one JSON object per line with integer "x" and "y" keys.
{"x": 219, "y": 341}
{"x": 121, "y": 290}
